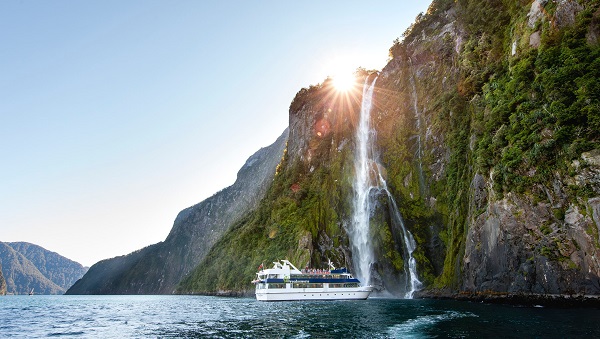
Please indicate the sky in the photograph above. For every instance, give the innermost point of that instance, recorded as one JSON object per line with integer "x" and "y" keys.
{"x": 116, "y": 115}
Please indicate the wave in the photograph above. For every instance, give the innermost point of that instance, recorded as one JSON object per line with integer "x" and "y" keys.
{"x": 415, "y": 328}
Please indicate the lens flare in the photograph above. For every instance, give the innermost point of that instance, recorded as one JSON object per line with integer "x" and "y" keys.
{"x": 344, "y": 82}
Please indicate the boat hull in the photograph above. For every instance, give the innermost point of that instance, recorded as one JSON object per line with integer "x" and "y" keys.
{"x": 292, "y": 294}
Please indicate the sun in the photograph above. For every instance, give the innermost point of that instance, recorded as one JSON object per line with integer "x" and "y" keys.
{"x": 344, "y": 81}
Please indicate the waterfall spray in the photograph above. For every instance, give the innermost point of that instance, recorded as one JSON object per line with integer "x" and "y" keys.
{"x": 367, "y": 178}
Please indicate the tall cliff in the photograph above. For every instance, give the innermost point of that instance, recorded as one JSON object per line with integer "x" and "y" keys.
{"x": 158, "y": 268}
{"x": 303, "y": 213}
{"x": 488, "y": 126}
{"x": 503, "y": 139}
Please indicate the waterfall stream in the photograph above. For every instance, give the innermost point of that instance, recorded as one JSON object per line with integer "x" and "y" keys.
{"x": 362, "y": 187}
{"x": 418, "y": 153}
{"x": 368, "y": 177}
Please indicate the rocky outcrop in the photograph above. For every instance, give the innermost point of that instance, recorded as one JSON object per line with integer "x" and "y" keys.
{"x": 158, "y": 268}
{"x": 519, "y": 244}
{"x": 319, "y": 120}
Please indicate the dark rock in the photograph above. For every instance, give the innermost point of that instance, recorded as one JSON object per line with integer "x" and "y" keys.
{"x": 566, "y": 11}
{"x": 479, "y": 192}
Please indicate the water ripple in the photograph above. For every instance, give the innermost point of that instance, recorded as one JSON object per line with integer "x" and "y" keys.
{"x": 211, "y": 317}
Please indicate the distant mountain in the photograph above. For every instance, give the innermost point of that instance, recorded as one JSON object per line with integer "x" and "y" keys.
{"x": 22, "y": 276}
{"x": 2, "y": 283}
{"x": 28, "y": 267}
{"x": 158, "y": 268}
{"x": 60, "y": 270}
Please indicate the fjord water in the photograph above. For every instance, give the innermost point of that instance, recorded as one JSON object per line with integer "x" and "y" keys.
{"x": 214, "y": 317}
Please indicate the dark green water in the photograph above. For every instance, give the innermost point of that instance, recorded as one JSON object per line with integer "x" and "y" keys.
{"x": 212, "y": 317}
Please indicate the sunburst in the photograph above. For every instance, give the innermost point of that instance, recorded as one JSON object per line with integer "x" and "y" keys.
{"x": 344, "y": 81}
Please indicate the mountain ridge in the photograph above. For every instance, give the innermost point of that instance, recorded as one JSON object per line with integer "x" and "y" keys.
{"x": 60, "y": 270}
{"x": 158, "y": 268}
{"x": 28, "y": 267}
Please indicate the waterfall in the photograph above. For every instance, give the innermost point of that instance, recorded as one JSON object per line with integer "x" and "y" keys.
{"x": 412, "y": 280}
{"x": 362, "y": 187}
{"x": 368, "y": 177}
{"x": 419, "y": 152}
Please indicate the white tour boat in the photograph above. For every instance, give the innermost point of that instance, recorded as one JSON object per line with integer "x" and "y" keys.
{"x": 285, "y": 282}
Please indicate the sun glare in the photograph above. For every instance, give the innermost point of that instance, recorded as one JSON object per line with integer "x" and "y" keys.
{"x": 344, "y": 82}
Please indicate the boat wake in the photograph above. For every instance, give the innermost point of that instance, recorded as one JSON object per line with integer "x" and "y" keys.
{"x": 416, "y": 328}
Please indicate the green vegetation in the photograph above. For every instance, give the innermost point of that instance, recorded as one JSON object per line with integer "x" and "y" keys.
{"x": 544, "y": 110}
{"x": 520, "y": 117}
{"x": 305, "y": 206}
{"x": 517, "y": 118}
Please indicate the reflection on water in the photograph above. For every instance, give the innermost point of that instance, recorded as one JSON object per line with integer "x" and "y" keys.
{"x": 196, "y": 316}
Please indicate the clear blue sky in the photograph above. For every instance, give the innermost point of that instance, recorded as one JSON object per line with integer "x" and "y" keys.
{"x": 116, "y": 115}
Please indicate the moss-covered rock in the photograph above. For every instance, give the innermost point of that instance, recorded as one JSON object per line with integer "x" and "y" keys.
{"x": 487, "y": 119}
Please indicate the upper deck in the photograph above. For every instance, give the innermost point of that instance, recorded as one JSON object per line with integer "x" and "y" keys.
{"x": 286, "y": 272}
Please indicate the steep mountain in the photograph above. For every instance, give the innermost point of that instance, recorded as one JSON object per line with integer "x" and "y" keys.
{"x": 302, "y": 215}
{"x": 2, "y": 282}
{"x": 506, "y": 102}
{"x": 60, "y": 270}
{"x": 488, "y": 128}
{"x": 158, "y": 268}
{"x": 22, "y": 276}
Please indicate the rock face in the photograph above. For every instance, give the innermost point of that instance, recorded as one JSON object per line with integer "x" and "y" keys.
{"x": 512, "y": 220}
{"x": 519, "y": 244}
{"x": 28, "y": 267}
{"x": 158, "y": 268}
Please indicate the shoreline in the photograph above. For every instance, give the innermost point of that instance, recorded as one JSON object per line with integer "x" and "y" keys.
{"x": 516, "y": 299}
{"x": 490, "y": 297}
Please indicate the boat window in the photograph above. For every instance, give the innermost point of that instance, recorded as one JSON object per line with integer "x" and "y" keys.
{"x": 299, "y": 285}
{"x": 271, "y": 285}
